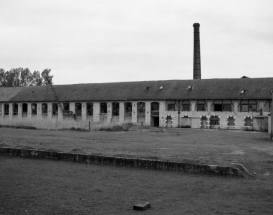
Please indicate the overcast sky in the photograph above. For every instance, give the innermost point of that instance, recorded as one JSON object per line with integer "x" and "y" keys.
{"x": 136, "y": 40}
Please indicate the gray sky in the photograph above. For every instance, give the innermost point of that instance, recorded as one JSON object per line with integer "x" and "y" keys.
{"x": 135, "y": 40}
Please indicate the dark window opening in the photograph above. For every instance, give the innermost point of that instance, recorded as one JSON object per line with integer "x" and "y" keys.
{"x": 66, "y": 107}
{"x": 103, "y": 107}
{"x": 15, "y": 109}
{"x": 33, "y": 109}
{"x": 78, "y": 109}
{"x": 6, "y": 109}
{"x": 115, "y": 109}
{"x": 89, "y": 109}
{"x": 55, "y": 109}
{"x": 218, "y": 107}
{"x": 24, "y": 109}
{"x": 44, "y": 108}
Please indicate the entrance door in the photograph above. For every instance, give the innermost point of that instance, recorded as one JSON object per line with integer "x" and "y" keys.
{"x": 155, "y": 114}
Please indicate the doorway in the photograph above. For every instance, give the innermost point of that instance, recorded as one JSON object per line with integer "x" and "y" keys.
{"x": 155, "y": 114}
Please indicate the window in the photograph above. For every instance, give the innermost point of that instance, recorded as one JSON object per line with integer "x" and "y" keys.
{"x": 222, "y": 107}
{"x": 33, "y": 109}
{"x": 66, "y": 107}
{"x": 214, "y": 120}
{"x": 140, "y": 109}
{"x": 55, "y": 109}
{"x": 78, "y": 109}
{"x": 15, "y": 109}
{"x": 248, "y": 121}
{"x": 89, "y": 109}
{"x": 25, "y": 108}
{"x": 103, "y": 107}
{"x": 171, "y": 107}
{"x": 186, "y": 107}
{"x": 231, "y": 121}
{"x": 6, "y": 109}
{"x": 44, "y": 108}
{"x": 128, "y": 107}
{"x": 248, "y": 106}
{"x": 201, "y": 107}
{"x": 0, "y": 109}
{"x": 227, "y": 107}
{"x": 115, "y": 109}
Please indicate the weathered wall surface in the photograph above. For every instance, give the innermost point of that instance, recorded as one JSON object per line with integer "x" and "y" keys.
{"x": 172, "y": 118}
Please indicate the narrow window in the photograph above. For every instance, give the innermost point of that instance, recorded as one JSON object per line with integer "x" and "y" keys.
{"x": 115, "y": 109}
{"x": 6, "y": 109}
{"x": 89, "y": 109}
{"x": 141, "y": 109}
{"x": 103, "y": 107}
{"x": 24, "y": 109}
{"x": 44, "y": 108}
{"x": 128, "y": 108}
{"x": 78, "y": 109}
{"x": 33, "y": 109}
{"x": 15, "y": 109}
{"x": 55, "y": 109}
{"x": 66, "y": 107}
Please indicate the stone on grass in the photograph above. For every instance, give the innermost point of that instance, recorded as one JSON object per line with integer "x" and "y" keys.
{"x": 142, "y": 206}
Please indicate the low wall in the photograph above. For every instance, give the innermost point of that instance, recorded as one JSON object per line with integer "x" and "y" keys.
{"x": 126, "y": 162}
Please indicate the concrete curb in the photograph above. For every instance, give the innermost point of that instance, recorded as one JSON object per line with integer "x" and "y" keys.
{"x": 126, "y": 162}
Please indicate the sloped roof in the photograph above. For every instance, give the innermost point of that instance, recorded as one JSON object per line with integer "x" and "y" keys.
{"x": 255, "y": 88}
{"x": 7, "y": 93}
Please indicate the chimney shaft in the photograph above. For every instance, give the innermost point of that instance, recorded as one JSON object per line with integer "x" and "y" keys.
{"x": 196, "y": 52}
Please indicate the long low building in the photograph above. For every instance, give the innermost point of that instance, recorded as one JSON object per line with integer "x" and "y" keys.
{"x": 198, "y": 103}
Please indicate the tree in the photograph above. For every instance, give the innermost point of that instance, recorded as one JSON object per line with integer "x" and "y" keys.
{"x": 47, "y": 79}
{"x": 19, "y": 77}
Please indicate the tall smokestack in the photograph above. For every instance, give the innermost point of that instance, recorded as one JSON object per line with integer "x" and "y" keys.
{"x": 196, "y": 52}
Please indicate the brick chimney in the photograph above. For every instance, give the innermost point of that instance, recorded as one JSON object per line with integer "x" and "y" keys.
{"x": 196, "y": 52}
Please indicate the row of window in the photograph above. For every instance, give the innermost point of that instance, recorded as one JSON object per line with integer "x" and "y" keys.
{"x": 245, "y": 106}
{"x": 78, "y": 108}
{"x": 250, "y": 107}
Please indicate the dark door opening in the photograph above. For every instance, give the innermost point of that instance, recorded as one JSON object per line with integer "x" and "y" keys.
{"x": 155, "y": 121}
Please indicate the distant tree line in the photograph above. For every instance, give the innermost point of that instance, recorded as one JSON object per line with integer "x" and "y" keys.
{"x": 20, "y": 77}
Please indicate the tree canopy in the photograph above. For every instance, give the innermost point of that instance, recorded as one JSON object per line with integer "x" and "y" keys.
{"x": 20, "y": 77}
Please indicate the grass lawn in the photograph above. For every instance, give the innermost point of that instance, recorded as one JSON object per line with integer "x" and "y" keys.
{"x": 57, "y": 187}
{"x": 252, "y": 149}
